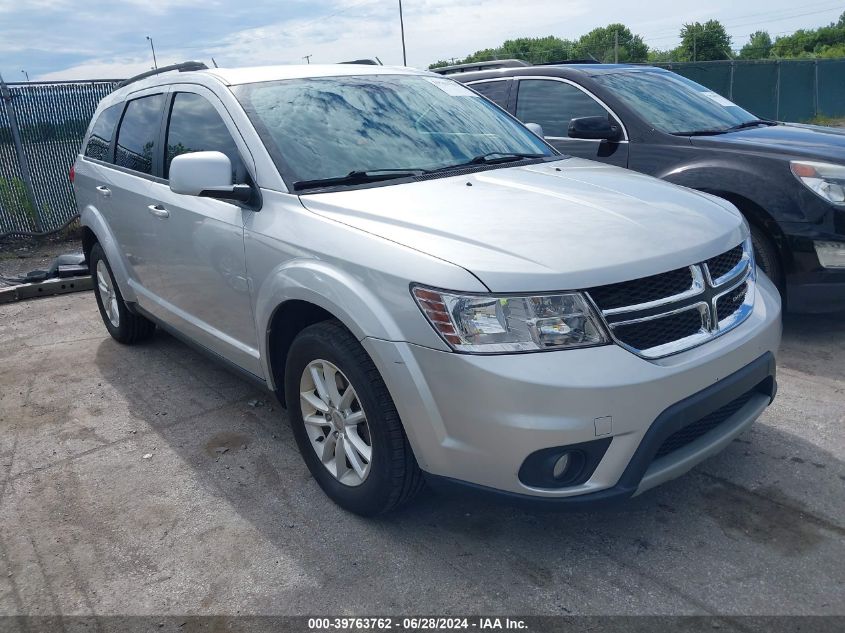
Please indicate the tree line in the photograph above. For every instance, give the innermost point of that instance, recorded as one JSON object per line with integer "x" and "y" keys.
{"x": 705, "y": 41}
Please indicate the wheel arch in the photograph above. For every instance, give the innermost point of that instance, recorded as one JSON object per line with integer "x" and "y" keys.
{"x": 95, "y": 230}
{"x": 759, "y": 217}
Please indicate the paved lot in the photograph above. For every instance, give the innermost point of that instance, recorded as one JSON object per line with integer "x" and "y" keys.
{"x": 89, "y": 526}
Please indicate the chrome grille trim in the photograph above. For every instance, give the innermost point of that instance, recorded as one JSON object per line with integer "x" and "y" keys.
{"x": 695, "y": 288}
{"x": 703, "y": 296}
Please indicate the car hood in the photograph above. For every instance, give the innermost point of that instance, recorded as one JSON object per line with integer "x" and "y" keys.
{"x": 790, "y": 139}
{"x": 559, "y": 225}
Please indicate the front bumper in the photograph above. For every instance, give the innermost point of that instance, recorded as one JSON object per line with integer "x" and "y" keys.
{"x": 810, "y": 287}
{"x": 475, "y": 419}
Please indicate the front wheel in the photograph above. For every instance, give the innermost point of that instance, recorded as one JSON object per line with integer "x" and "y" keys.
{"x": 345, "y": 423}
{"x": 766, "y": 255}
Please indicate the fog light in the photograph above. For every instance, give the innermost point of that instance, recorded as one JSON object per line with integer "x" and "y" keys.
{"x": 561, "y": 466}
{"x": 831, "y": 254}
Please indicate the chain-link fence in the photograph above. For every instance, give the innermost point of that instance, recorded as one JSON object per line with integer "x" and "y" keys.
{"x": 41, "y": 128}
{"x": 784, "y": 90}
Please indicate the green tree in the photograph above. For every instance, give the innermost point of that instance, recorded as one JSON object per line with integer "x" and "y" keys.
{"x": 601, "y": 44}
{"x": 704, "y": 42}
{"x": 759, "y": 46}
{"x": 825, "y": 41}
{"x": 535, "y": 50}
{"x": 655, "y": 56}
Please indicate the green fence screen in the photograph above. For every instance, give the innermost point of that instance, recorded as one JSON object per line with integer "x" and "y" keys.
{"x": 785, "y": 90}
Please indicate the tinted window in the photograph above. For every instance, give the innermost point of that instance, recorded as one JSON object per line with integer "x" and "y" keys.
{"x": 327, "y": 127}
{"x": 195, "y": 126}
{"x": 101, "y": 134}
{"x": 672, "y": 103}
{"x": 553, "y": 104}
{"x": 496, "y": 91}
{"x": 138, "y": 134}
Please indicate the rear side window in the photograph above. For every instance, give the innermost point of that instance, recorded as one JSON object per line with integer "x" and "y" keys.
{"x": 496, "y": 91}
{"x": 195, "y": 126}
{"x": 102, "y": 133}
{"x": 138, "y": 134}
{"x": 553, "y": 104}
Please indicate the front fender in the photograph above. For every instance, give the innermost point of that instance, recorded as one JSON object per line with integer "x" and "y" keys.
{"x": 768, "y": 186}
{"x": 92, "y": 218}
{"x": 347, "y": 297}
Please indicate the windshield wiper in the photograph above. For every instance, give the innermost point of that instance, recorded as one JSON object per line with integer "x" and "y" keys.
{"x": 490, "y": 158}
{"x": 357, "y": 177}
{"x": 752, "y": 123}
{"x": 725, "y": 130}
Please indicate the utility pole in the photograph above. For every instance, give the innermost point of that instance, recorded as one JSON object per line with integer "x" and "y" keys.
{"x": 307, "y": 58}
{"x": 25, "y": 74}
{"x": 402, "y": 26}
{"x": 616, "y": 47}
{"x": 153, "y": 48}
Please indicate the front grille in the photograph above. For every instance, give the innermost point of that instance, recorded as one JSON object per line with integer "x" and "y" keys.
{"x": 667, "y": 313}
{"x": 692, "y": 432}
{"x": 724, "y": 263}
{"x": 660, "y": 331}
{"x": 629, "y": 293}
{"x": 730, "y": 302}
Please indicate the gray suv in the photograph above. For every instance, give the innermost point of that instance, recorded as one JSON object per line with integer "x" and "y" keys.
{"x": 431, "y": 290}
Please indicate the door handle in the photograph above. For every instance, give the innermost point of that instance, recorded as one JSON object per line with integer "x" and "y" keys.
{"x": 158, "y": 211}
{"x": 104, "y": 191}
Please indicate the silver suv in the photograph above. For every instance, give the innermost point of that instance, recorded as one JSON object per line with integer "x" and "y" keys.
{"x": 431, "y": 290}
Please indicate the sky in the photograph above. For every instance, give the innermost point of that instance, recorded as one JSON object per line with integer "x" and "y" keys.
{"x": 96, "y": 39}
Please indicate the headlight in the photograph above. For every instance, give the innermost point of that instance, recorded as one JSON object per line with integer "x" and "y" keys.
{"x": 492, "y": 324}
{"x": 824, "y": 179}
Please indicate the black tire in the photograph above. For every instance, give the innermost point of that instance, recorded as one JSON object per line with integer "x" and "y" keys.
{"x": 767, "y": 255}
{"x": 131, "y": 328}
{"x": 394, "y": 476}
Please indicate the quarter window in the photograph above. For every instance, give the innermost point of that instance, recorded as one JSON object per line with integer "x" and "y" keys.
{"x": 496, "y": 91}
{"x": 102, "y": 133}
{"x": 553, "y": 104}
{"x": 195, "y": 126}
{"x": 138, "y": 133}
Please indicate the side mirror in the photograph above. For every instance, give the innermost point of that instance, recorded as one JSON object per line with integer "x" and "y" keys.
{"x": 207, "y": 175}
{"x": 536, "y": 128}
{"x": 594, "y": 127}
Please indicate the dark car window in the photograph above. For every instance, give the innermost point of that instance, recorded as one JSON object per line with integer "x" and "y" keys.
{"x": 553, "y": 104}
{"x": 672, "y": 103}
{"x": 195, "y": 126}
{"x": 496, "y": 91}
{"x": 102, "y": 133}
{"x": 138, "y": 133}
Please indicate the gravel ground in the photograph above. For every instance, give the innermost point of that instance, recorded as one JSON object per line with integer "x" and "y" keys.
{"x": 223, "y": 517}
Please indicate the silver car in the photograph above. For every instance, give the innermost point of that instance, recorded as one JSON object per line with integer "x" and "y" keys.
{"x": 433, "y": 292}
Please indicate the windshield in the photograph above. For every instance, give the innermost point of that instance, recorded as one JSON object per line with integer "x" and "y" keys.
{"x": 327, "y": 128}
{"x": 674, "y": 104}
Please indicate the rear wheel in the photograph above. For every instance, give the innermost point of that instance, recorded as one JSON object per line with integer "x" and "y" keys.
{"x": 123, "y": 325}
{"x": 345, "y": 423}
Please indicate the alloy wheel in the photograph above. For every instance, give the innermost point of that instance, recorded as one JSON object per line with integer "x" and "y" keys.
{"x": 335, "y": 422}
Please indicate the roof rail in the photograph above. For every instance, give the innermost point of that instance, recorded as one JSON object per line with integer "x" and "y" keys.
{"x": 365, "y": 62}
{"x": 571, "y": 61}
{"x": 491, "y": 65}
{"x": 181, "y": 67}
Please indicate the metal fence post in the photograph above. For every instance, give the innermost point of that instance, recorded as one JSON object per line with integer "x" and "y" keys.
{"x": 777, "y": 101}
{"x": 23, "y": 164}
{"x": 816, "y": 91}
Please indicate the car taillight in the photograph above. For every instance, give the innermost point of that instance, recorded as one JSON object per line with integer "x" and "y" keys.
{"x": 72, "y": 173}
